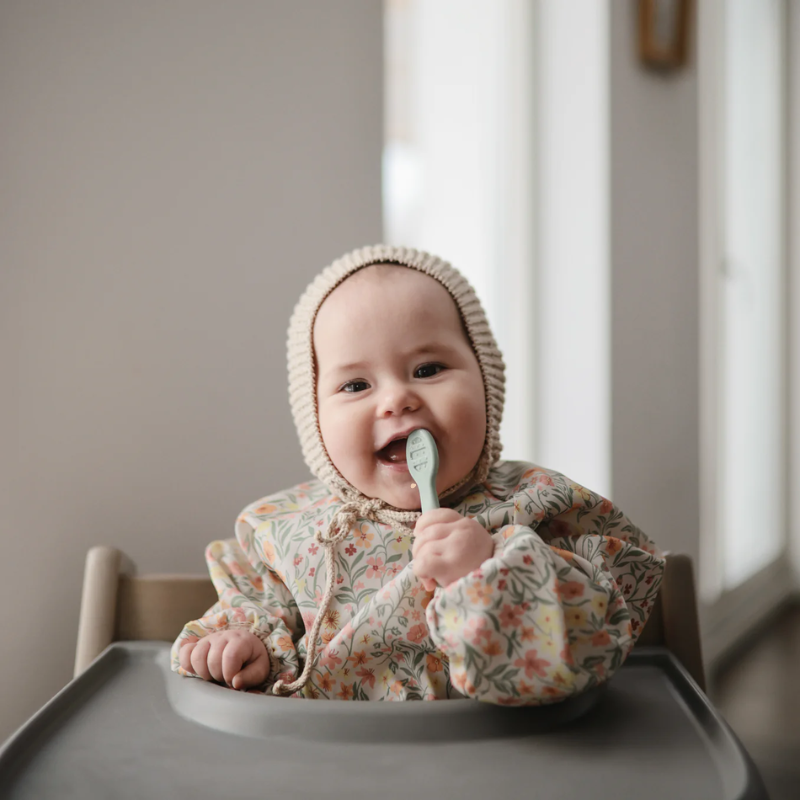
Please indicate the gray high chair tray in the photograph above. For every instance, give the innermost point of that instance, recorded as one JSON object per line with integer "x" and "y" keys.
{"x": 129, "y": 728}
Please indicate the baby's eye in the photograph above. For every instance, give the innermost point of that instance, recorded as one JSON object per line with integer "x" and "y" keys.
{"x": 355, "y": 386}
{"x": 428, "y": 370}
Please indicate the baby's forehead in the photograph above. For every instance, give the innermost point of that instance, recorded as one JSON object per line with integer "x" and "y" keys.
{"x": 386, "y": 275}
{"x": 384, "y": 281}
{"x": 390, "y": 287}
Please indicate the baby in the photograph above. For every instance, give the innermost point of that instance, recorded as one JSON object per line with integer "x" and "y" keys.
{"x": 524, "y": 588}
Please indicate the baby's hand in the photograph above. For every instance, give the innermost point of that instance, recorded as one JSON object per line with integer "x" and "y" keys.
{"x": 221, "y": 655}
{"x": 448, "y": 546}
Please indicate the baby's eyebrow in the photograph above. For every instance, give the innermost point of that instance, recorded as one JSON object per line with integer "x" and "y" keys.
{"x": 353, "y": 366}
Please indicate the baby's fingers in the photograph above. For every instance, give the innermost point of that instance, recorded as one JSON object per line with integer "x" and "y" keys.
{"x": 428, "y": 566}
{"x": 233, "y": 656}
{"x": 185, "y": 656}
{"x": 432, "y": 534}
{"x": 255, "y": 673}
{"x": 199, "y": 659}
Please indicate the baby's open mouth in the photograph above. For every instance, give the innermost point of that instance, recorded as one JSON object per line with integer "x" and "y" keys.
{"x": 394, "y": 452}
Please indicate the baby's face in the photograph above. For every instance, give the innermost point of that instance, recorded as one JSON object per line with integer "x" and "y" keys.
{"x": 392, "y": 356}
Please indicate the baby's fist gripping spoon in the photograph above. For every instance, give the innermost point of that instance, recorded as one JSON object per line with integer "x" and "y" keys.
{"x": 422, "y": 458}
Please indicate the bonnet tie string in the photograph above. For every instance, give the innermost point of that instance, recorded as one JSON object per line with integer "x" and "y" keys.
{"x": 338, "y": 529}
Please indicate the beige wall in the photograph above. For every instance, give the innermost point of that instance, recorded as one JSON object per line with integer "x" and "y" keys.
{"x": 171, "y": 176}
{"x": 654, "y": 292}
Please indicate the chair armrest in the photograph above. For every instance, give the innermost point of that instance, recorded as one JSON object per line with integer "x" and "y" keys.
{"x": 98, "y": 605}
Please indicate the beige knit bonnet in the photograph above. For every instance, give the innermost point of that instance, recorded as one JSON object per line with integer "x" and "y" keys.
{"x": 303, "y": 394}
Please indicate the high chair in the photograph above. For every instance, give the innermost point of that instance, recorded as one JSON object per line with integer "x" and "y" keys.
{"x": 118, "y": 605}
{"x": 128, "y": 727}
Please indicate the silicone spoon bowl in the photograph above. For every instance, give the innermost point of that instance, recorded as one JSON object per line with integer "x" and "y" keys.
{"x": 422, "y": 458}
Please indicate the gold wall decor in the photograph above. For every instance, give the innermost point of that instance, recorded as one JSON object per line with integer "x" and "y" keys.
{"x": 664, "y": 33}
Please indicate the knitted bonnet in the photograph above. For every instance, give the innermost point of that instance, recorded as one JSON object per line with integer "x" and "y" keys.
{"x": 303, "y": 394}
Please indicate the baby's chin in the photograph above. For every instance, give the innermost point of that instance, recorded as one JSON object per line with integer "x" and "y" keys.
{"x": 405, "y": 499}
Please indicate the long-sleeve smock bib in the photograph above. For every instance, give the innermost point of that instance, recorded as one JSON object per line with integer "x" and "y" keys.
{"x": 553, "y": 612}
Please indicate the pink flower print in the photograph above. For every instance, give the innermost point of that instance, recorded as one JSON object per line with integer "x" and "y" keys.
{"x": 416, "y": 616}
{"x": 569, "y": 590}
{"x": 363, "y": 536}
{"x": 298, "y": 560}
{"x": 358, "y": 658}
{"x": 544, "y": 480}
{"x": 367, "y": 676}
{"x": 308, "y": 618}
{"x": 528, "y": 634}
{"x": 392, "y": 570}
{"x": 532, "y": 665}
{"x": 350, "y": 549}
{"x": 235, "y": 568}
{"x": 606, "y": 506}
{"x": 501, "y": 584}
{"x": 312, "y": 572}
{"x": 526, "y": 559}
{"x": 613, "y": 545}
{"x": 511, "y": 616}
{"x": 313, "y": 549}
{"x": 330, "y": 659}
{"x": 376, "y": 567}
{"x": 525, "y": 688}
{"x": 359, "y": 586}
{"x": 478, "y": 629}
{"x": 493, "y": 648}
{"x": 417, "y": 633}
{"x": 340, "y": 579}
{"x": 479, "y": 593}
{"x": 346, "y": 692}
{"x": 433, "y": 663}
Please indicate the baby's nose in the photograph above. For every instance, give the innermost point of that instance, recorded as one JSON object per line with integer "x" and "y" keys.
{"x": 397, "y": 399}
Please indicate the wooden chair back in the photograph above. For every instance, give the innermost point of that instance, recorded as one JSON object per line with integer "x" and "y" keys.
{"x": 116, "y": 606}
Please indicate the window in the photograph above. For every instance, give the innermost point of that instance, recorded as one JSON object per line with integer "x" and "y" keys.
{"x": 748, "y": 290}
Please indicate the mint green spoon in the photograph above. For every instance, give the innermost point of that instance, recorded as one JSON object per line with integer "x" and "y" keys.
{"x": 422, "y": 458}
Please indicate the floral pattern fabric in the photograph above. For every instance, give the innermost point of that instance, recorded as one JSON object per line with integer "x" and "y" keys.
{"x": 553, "y": 612}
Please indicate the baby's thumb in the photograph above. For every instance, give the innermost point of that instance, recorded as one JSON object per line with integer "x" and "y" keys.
{"x": 252, "y": 675}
